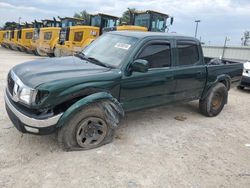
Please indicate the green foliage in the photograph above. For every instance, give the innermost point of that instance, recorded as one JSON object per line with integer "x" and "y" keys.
{"x": 127, "y": 16}
{"x": 10, "y": 25}
{"x": 83, "y": 15}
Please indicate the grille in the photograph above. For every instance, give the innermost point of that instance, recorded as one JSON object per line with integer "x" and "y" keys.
{"x": 11, "y": 84}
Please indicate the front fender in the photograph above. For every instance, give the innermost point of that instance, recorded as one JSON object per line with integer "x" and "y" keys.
{"x": 84, "y": 102}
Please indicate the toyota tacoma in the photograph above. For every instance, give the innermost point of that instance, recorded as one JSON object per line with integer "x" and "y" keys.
{"x": 83, "y": 97}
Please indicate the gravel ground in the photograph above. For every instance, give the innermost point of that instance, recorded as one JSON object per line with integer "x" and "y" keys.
{"x": 151, "y": 149}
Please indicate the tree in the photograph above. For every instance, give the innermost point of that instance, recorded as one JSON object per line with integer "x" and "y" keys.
{"x": 83, "y": 15}
{"x": 246, "y": 38}
{"x": 10, "y": 25}
{"x": 127, "y": 16}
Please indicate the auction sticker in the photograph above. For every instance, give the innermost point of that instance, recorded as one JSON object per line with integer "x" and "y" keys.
{"x": 123, "y": 46}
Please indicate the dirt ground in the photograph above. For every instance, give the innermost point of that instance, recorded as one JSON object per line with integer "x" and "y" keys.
{"x": 151, "y": 149}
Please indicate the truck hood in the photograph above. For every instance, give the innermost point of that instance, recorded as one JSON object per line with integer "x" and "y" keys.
{"x": 37, "y": 72}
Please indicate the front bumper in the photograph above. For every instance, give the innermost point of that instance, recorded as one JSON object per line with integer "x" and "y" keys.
{"x": 30, "y": 124}
{"x": 245, "y": 81}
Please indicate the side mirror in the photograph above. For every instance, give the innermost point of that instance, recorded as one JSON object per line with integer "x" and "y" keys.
{"x": 140, "y": 65}
{"x": 171, "y": 20}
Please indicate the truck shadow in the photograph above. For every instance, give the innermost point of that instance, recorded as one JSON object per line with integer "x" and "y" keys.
{"x": 135, "y": 119}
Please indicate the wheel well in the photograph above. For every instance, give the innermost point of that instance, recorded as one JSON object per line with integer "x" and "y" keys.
{"x": 65, "y": 105}
{"x": 226, "y": 83}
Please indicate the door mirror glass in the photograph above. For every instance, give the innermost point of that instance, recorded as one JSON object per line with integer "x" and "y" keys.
{"x": 171, "y": 20}
{"x": 140, "y": 65}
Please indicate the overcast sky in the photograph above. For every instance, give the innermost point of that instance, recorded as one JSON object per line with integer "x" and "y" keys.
{"x": 219, "y": 18}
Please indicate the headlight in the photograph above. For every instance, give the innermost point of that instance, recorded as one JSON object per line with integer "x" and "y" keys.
{"x": 26, "y": 95}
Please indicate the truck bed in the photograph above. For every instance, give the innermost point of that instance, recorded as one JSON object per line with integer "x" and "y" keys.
{"x": 216, "y": 67}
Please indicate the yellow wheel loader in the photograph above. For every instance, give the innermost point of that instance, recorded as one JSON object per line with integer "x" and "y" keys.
{"x": 6, "y": 39}
{"x": 74, "y": 34}
{"x": 144, "y": 21}
{"x": 48, "y": 37}
{"x": 24, "y": 39}
{"x": 34, "y": 42}
{"x": 1, "y": 36}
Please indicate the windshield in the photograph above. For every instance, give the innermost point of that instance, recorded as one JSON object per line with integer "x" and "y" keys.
{"x": 104, "y": 22}
{"x": 142, "y": 20}
{"x": 110, "y": 49}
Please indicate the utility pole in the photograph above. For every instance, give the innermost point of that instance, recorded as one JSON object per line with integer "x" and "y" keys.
{"x": 224, "y": 47}
{"x": 196, "y": 29}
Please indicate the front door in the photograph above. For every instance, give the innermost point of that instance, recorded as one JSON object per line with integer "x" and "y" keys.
{"x": 155, "y": 87}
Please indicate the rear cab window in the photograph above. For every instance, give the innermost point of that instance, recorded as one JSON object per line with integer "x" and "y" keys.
{"x": 188, "y": 53}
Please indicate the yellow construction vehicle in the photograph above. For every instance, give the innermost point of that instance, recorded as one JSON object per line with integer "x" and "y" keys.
{"x": 74, "y": 34}
{"x": 34, "y": 42}
{"x": 1, "y": 36}
{"x": 48, "y": 37}
{"x": 145, "y": 21}
{"x": 24, "y": 39}
{"x": 13, "y": 43}
{"x": 6, "y": 39}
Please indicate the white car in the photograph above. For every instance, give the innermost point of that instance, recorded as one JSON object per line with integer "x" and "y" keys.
{"x": 245, "y": 81}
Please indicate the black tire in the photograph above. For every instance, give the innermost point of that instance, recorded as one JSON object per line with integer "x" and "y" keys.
{"x": 68, "y": 135}
{"x": 241, "y": 87}
{"x": 50, "y": 55}
{"x": 213, "y": 104}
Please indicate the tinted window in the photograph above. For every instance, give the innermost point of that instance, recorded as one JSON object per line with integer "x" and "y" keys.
{"x": 188, "y": 53}
{"x": 78, "y": 36}
{"x": 47, "y": 35}
{"x": 158, "y": 55}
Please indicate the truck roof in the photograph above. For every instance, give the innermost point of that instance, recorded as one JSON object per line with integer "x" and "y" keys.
{"x": 142, "y": 34}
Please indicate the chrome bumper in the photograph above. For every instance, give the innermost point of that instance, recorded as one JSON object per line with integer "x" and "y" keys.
{"x": 37, "y": 123}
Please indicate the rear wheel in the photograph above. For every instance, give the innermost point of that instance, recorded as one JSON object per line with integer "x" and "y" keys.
{"x": 213, "y": 104}
{"x": 87, "y": 129}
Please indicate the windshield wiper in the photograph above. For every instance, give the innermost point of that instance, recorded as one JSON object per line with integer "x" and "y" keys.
{"x": 98, "y": 62}
{"x": 92, "y": 60}
{"x": 81, "y": 56}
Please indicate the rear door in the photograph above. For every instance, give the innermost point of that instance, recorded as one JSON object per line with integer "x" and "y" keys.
{"x": 190, "y": 72}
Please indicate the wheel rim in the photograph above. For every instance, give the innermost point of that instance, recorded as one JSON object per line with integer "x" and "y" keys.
{"x": 217, "y": 101}
{"x": 91, "y": 132}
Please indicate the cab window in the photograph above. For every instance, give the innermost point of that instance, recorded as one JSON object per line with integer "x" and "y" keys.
{"x": 78, "y": 36}
{"x": 188, "y": 53}
{"x": 158, "y": 55}
{"x": 29, "y": 35}
{"x": 47, "y": 35}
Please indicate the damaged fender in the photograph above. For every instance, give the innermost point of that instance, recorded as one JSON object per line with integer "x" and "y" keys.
{"x": 112, "y": 108}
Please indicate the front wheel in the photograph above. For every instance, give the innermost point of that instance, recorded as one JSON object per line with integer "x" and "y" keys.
{"x": 87, "y": 129}
{"x": 57, "y": 52}
{"x": 213, "y": 104}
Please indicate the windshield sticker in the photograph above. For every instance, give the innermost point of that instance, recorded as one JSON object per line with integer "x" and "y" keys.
{"x": 122, "y": 46}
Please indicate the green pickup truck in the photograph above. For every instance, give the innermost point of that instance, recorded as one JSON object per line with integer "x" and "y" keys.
{"x": 83, "y": 97}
